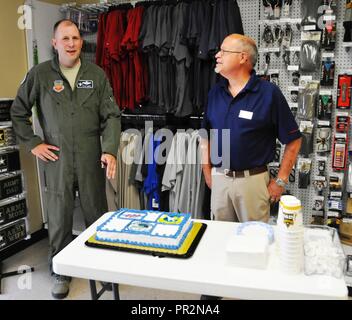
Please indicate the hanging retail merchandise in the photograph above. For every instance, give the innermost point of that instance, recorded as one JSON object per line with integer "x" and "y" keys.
{"x": 161, "y": 53}
{"x": 157, "y": 173}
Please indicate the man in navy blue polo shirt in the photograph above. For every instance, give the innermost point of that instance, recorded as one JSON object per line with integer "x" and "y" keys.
{"x": 256, "y": 113}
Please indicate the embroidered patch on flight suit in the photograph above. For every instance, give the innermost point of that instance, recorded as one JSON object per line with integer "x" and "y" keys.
{"x": 58, "y": 86}
{"x": 85, "y": 84}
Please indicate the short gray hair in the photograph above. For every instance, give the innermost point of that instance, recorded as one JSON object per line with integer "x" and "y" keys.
{"x": 251, "y": 48}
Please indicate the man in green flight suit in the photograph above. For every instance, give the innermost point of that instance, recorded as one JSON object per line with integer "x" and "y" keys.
{"x": 81, "y": 127}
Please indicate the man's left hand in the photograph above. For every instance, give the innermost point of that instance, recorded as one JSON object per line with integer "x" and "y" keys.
{"x": 275, "y": 191}
{"x": 109, "y": 161}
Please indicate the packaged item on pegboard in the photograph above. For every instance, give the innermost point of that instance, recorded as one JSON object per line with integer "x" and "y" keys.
{"x": 306, "y": 128}
{"x": 278, "y": 33}
{"x": 349, "y": 206}
{"x": 345, "y": 231}
{"x": 333, "y": 219}
{"x": 340, "y": 141}
{"x": 310, "y": 14}
{"x": 318, "y": 218}
{"x": 344, "y": 91}
{"x": 318, "y": 210}
{"x": 323, "y": 137}
{"x": 310, "y": 51}
{"x": 347, "y": 23}
{"x": 335, "y": 204}
{"x": 340, "y": 150}
{"x": 319, "y": 184}
{"x": 286, "y": 8}
{"x": 272, "y": 9}
{"x": 342, "y": 122}
{"x": 295, "y": 78}
{"x": 334, "y": 214}
{"x": 349, "y": 186}
{"x": 325, "y": 106}
{"x": 321, "y": 161}
{"x": 294, "y": 96}
{"x": 308, "y": 97}
{"x": 318, "y": 204}
{"x": 287, "y": 37}
{"x": 7, "y": 136}
{"x": 327, "y": 72}
{"x": 336, "y": 180}
{"x": 349, "y": 173}
{"x": 304, "y": 168}
{"x": 274, "y": 78}
{"x": 268, "y": 36}
{"x": 5, "y": 106}
{"x": 329, "y": 27}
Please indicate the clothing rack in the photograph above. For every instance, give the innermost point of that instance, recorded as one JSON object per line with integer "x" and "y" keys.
{"x": 191, "y": 122}
{"x": 101, "y": 7}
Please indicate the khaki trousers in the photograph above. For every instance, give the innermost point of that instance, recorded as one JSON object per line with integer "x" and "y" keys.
{"x": 240, "y": 199}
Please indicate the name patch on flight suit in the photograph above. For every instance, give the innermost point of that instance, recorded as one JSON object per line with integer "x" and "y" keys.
{"x": 58, "y": 86}
{"x": 85, "y": 84}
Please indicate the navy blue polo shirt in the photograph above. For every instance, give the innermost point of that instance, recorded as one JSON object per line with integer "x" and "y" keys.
{"x": 256, "y": 117}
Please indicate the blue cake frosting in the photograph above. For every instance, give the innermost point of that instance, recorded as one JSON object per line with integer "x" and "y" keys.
{"x": 144, "y": 223}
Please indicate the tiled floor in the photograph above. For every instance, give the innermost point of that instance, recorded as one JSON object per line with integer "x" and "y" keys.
{"x": 37, "y": 285}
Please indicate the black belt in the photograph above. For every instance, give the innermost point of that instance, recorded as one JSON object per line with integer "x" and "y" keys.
{"x": 242, "y": 174}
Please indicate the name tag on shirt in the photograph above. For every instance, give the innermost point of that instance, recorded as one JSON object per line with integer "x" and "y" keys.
{"x": 245, "y": 114}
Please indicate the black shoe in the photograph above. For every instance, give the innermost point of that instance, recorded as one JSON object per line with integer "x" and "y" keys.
{"x": 61, "y": 286}
{"x": 206, "y": 297}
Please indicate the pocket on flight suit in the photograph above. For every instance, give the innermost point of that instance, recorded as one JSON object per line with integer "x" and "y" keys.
{"x": 51, "y": 168}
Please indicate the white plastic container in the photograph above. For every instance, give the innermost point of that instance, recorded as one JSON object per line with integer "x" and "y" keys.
{"x": 290, "y": 235}
{"x": 290, "y": 213}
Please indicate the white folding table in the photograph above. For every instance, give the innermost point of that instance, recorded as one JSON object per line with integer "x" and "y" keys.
{"x": 206, "y": 272}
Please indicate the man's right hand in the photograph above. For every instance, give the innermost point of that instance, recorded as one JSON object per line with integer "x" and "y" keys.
{"x": 42, "y": 151}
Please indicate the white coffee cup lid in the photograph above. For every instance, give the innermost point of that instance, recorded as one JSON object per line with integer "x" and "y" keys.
{"x": 290, "y": 202}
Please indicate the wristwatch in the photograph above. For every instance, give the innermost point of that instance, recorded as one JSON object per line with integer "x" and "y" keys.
{"x": 281, "y": 183}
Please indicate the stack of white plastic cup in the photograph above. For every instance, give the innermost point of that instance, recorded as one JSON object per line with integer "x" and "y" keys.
{"x": 290, "y": 235}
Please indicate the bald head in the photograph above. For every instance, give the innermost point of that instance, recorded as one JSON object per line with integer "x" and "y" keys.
{"x": 246, "y": 44}
{"x": 64, "y": 22}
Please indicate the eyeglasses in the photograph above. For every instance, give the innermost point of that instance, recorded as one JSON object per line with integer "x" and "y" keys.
{"x": 222, "y": 51}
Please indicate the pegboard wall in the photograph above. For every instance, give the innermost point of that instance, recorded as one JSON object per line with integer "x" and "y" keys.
{"x": 254, "y": 22}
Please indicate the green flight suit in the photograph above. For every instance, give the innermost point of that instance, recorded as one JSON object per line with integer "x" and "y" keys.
{"x": 83, "y": 123}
